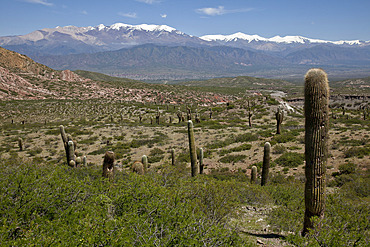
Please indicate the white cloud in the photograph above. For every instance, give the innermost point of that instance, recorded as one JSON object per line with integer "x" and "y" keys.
{"x": 212, "y": 11}
{"x": 163, "y": 15}
{"x": 129, "y": 15}
{"x": 149, "y": 1}
{"x": 220, "y": 10}
{"x": 43, "y": 2}
{"x": 84, "y": 12}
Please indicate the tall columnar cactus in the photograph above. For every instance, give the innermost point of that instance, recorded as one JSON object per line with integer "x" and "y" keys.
{"x": 279, "y": 119}
{"x": 71, "y": 154}
{"x": 250, "y": 112}
{"x": 69, "y": 148}
{"x": 266, "y": 164}
{"x": 144, "y": 160}
{"x": 197, "y": 117}
{"x": 108, "y": 165}
{"x": 20, "y": 144}
{"x": 188, "y": 110}
{"x": 193, "y": 153}
{"x": 365, "y": 112}
{"x": 173, "y": 156}
{"x": 316, "y": 110}
{"x": 157, "y": 116}
{"x": 254, "y": 175}
{"x": 201, "y": 165}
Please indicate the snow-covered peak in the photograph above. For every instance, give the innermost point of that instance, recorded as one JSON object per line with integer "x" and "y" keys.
{"x": 100, "y": 27}
{"x": 295, "y": 39}
{"x": 349, "y": 42}
{"x": 141, "y": 27}
{"x": 275, "y": 39}
{"x": 146, "y": 27}
{"x": 233, "y": 37}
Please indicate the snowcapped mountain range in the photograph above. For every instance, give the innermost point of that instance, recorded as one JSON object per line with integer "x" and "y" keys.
{"x": 276, "y": 39}
{"x": 100, "y": 48}
{"x": 74, "y": 40}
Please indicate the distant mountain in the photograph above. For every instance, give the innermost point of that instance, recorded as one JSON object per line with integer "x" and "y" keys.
{"x": 162, "y": 52}
{"x": 165, "y": 62}
{"x": 331, "y": 54}
{"x": 74, "y": 40}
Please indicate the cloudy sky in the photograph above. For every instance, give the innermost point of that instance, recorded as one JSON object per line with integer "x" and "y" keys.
{"x": 322, "y": 19}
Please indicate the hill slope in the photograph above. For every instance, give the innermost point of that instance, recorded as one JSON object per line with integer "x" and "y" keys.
{"x": 239, "y": 82}
{"x": 165, "y": 62}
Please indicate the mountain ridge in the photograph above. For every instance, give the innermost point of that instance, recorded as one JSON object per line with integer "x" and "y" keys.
{"x": 277, "y": 57}
{"x": 74, "y": 40}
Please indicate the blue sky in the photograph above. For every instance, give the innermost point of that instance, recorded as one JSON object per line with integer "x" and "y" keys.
{"x": 322, "y": 19}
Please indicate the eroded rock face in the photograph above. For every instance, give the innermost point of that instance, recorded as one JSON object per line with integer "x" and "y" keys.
{"x": 13, "y": 86}
{"x": 67, "y": 75}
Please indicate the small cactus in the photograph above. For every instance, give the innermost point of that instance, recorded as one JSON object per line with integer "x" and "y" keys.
{"x": 279, "y": 119}
{"x": 78, "y": 161}
{"x": 193, "y": 153}
{"x": 138, "y": 167}
{"x": 84, "y": 161}
{"x": 108, "y": 165}
{"x": 144, "y": 160}
{"x": 316, "y": 111}
{"x": 254, "y": 175}
{"x": 201, "y": 165}
{"x": 266, "y": 164}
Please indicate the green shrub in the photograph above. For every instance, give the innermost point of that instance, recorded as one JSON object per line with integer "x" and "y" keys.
{"x": 155, "y": 155}
{"x": 278, "y": 149}
{"x": 358, "y": 152}
{"x": 48, "y": 205}
{"x": 283, "y": 138}
{"x": 347, "y": 168}
{"x": 233, "y": 158}
{"x": 240, "y": 148}
{"x": 290, "y": 159}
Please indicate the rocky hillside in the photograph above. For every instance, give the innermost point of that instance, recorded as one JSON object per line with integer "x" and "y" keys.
{"x": 22, "y": 78}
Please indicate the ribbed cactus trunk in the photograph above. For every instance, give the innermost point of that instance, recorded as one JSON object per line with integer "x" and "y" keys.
{"x": 201, "y": 165}
{"x": 144, "y": 160}
{"x": 279, "y": 119}
{"x": 69, "y": 147}
{"x": 254, "y": 175}
{"x": 266, "y": 164}
{"x": 20, "y": 144}
{"x": 173, "y": 156}
{"x": 193, "y": 153}
{"x": 84, "y": 161}
{"x": 316, "y": 110}
{"x": 71, "y": 154}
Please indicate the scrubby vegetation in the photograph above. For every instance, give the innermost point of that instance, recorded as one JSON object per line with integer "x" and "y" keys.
{"x": 45, "y": 202}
